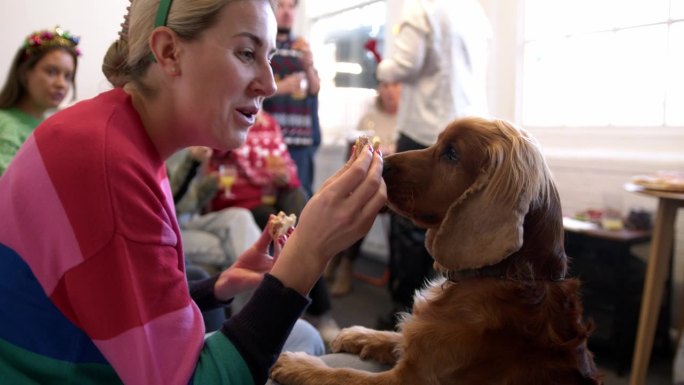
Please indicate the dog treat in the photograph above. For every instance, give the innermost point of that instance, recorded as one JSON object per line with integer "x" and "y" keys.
{"x": 280, "y": 224}
{"x": 363, "y": 141}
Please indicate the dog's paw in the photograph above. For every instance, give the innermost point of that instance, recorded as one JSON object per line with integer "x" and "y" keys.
{"x": 367, "y": 344}
{"x": 296, "y": 368}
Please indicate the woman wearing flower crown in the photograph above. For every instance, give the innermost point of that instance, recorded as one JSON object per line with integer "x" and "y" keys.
{"x": 92, "y": 281}
{"x": 41, "y": 75}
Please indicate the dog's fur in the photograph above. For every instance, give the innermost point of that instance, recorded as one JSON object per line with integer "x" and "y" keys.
{"x": 506, "y": 314}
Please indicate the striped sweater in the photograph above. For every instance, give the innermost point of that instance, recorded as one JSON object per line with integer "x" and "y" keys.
{"x": 92, "y": 283}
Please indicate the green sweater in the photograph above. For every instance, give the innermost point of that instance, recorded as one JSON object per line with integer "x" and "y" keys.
{"x": 15, "y": 128}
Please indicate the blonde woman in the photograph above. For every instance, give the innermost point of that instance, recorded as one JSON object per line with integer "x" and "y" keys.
{"x": 91, "y": 263}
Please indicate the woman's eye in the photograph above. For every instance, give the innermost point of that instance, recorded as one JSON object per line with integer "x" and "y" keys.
{"x": 247, "y": 55}
{"x": 451, "y": 154}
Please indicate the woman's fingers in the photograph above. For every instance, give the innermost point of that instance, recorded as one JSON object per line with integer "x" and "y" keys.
{"x": 264, "y": 240}
{"x": 354, "y": 173}
{"x": 352, "y": 159}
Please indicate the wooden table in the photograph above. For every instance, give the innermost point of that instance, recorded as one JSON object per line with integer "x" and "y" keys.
{"x": 657, "y": 269}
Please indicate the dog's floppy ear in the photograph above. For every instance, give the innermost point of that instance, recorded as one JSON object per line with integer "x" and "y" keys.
{"x": 485, "y": 224}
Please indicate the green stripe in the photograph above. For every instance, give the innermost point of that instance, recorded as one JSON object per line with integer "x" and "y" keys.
{"x": 21, "y": 367}
{"x": 221, "y": 363}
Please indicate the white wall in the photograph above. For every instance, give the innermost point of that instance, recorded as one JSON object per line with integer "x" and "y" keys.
{"x": 96, "y": 22}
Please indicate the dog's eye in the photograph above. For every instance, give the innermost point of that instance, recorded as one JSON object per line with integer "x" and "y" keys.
{"x": 451, "y": 154}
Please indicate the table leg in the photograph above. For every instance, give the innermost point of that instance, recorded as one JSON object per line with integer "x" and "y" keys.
{"x": 654, "y": 283}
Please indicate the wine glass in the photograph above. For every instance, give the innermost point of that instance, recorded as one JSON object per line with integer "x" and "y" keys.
{"x": 227, "y": 176}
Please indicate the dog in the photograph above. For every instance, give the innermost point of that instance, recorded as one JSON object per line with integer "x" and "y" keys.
{"x": 503, "y": 311}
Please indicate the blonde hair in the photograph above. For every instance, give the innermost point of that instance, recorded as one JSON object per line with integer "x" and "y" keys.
{"x": 128, "y": 58}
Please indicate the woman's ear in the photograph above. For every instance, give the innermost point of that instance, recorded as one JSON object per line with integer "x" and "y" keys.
{"x": 164, "y": 44}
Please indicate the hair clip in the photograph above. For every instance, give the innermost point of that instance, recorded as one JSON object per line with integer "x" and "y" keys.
{"x": 123, "y": 34}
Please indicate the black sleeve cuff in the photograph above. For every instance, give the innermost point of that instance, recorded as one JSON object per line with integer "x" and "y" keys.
{"x": 202, "y": 292}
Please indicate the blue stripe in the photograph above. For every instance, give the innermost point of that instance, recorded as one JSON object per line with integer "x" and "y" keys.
{"x": 29, "y": 320}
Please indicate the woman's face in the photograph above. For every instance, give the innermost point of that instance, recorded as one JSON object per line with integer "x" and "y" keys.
{"x": 225, "y": 75}
{"x": 49, "y": 81}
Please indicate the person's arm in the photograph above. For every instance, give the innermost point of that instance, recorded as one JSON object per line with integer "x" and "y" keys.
{"x": 9, "y": 145}
{"x": 409, "y": 50}
{"x": 312, "y": 78}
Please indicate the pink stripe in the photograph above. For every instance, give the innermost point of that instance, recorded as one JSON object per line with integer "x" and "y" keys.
{"x": 163, "y": 351}
{"x": 33, "y": 220}
{"x": 168, "y": 237}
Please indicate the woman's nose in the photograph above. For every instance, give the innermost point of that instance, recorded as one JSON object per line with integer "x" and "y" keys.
{"x": 265, "y": 84}
{"x": 62, "y": 81}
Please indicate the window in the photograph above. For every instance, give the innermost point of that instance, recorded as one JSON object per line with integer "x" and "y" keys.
{"x": 338, "y": 33}
{"x": 338, "y": 38}
{"x": 603, "y": 63}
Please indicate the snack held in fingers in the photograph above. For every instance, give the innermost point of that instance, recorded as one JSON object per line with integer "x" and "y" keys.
{"x": 363, "y": 141}
{"x": 280, "y": 224}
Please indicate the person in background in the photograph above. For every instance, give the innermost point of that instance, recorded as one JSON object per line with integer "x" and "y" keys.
{"x": 92, "y": 280}
{"x": 211, "y": 240}
{"x": 263, "y": 175}
{"x": 295, "y": 104}
{"x": 440, "y": 57}
{"x": 41, "y": 75}
{"x": 263, "y": 178}
{"x": 380, "y": 120}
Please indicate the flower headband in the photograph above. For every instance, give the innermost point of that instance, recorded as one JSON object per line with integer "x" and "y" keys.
{"x": 57, "y": 37}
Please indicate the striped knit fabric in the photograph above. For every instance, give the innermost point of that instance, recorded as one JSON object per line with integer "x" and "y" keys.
{"x": 92, "y": 284}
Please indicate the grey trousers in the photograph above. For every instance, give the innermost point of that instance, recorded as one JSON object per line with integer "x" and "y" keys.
{"x": 216, "y": 239}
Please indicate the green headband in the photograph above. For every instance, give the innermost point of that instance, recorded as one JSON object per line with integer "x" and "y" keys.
{"x": 162, "y": 13}
{"x": 160, "y": 20}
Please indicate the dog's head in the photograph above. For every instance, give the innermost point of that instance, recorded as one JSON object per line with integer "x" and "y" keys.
{"x": 484, "y": 192}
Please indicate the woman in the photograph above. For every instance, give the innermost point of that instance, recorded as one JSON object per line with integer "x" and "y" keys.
{"x": 40, "y": 77}
{"x": 107, "y": 263}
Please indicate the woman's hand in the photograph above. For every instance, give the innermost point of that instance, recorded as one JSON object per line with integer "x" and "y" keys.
{"x": 339, "y": 214}
{"x": 249, "y": 269}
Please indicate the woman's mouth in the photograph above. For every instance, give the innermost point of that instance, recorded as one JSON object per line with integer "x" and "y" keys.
{"x": 57, "y": 97}
{"x": 247, "y": 115}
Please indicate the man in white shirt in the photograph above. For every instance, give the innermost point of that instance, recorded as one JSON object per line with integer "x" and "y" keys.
{"x": 440, "y": 57}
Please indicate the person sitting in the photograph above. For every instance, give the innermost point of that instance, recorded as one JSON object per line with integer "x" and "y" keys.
{"x": 261, "y": 176}
{"x": 41, "y": 75}
{"x": 212, "y": 240}
{"x": 93, "y": 282}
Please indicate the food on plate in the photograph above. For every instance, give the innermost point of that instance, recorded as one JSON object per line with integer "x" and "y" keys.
{"x": 280, "y": 224}
{"x": 663, "y": 180}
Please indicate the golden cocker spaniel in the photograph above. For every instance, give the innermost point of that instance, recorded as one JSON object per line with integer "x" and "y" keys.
{"x": 504, "y": 312}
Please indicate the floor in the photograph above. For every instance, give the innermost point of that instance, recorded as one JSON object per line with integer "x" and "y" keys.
{"x": 366, "y": 302}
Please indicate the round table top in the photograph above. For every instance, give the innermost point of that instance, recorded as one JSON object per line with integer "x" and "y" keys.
{"x": 668, "y": 194}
